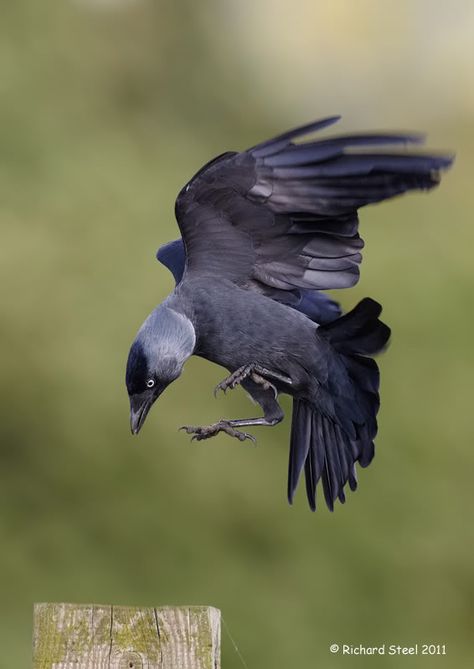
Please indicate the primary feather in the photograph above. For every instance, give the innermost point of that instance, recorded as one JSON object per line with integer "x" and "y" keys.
{"x": 283, "y": 216}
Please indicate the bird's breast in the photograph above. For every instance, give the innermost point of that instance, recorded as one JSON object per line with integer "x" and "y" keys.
{"x": 236, "y": 327}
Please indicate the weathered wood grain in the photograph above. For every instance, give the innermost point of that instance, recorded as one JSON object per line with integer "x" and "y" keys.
{"x": 72, "y": 636}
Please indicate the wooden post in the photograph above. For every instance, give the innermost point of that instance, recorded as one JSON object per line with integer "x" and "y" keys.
{"x": 123, "y": 637}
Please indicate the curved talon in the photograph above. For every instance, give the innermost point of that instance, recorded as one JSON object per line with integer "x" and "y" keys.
{"x": 220, "y": 386}
{"x": 256, "y": 373}
{"x": 234, "y": 379}
{"x": 189, "y": 429}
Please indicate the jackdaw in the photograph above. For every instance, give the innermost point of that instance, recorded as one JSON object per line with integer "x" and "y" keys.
{"x": 264, "y": 231}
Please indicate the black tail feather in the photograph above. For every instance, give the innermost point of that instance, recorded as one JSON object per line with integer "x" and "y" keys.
{"x": 299, "y": 445}
{"x": 329, "y": 446}
{"x": 326, "y": 453}
{"x": 359, "y": 332}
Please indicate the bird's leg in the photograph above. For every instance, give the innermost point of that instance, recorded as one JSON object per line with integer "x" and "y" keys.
{"x": 256, "y": 373}
{"x": 271, "y": 408}
{"x": 228, "y": 426}
{"x": 201, "y": 432}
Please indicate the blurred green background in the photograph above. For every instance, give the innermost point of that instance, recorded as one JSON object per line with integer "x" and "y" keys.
{"x": 106, "y": 109}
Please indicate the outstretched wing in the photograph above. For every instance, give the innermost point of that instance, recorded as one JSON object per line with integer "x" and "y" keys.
{"x": 319, "y": 307}
{"x": 281, "y": 217}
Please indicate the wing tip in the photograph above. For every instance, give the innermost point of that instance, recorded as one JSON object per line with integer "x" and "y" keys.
{"x": 312, "y": 126}
{"x": 280, "y": 141}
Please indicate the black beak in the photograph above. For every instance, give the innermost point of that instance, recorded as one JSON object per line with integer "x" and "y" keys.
{"x": 137, "y": 415}
{"x": 140, "y": 405}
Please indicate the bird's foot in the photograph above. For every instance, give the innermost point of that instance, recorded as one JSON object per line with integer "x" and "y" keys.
{"x": 208, "y": 431}
{"x": 234, "y": 379}
{"x": 252, "y": 371}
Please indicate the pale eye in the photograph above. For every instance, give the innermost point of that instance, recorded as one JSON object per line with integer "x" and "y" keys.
{"x": 150, "y": 383}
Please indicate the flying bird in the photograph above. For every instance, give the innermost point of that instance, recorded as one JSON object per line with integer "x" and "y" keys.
{"x": 263, "y": 232}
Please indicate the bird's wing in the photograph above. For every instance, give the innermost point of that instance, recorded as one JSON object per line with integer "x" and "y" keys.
{"x": 283, "y": 216}
{"x": 319, "y": 307}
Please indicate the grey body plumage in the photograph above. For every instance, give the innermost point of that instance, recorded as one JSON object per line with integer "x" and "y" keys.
{"x": 263, "y": 232}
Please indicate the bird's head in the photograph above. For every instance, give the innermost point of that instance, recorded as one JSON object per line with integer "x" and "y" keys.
{"x": 156, "y": 358}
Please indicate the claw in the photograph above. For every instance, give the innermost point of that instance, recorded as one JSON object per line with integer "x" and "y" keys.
{"x": 220, "y": 386}
{"x": 232, "y": 381}
{"x": 188, "y": 428}
{"x": 258, "y": 375}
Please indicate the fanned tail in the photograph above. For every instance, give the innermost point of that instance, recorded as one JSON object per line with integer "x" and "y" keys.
{"x": 328, "y": 446}
{"x": 325, "y": 452}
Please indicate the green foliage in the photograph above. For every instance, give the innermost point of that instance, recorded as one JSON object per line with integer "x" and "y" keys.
{"x": 104, "y": 115}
